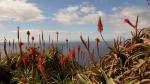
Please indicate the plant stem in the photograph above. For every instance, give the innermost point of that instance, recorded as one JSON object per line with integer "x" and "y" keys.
{"x": 104, "y": 40}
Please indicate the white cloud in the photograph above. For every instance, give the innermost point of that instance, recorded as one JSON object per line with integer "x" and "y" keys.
{"x": 131, "y": 13}
{"x": 118, "y": 15}
{"x": 78, "y": 14}
{"x": 19, "y": 10}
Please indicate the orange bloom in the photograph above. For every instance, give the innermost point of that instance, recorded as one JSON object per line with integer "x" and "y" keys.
{"x": 72, "y": 55}
{"x": 25, "y": 60}
{"x": 100, "y": 25}
{"x": 40, "y": 63}
{"x": 40, "y": 59}
{"x": 40, "y": 66}
{"x": 63, "y": 59}
{"x": 23, "y": 79}
{"x": 31, "y": 51}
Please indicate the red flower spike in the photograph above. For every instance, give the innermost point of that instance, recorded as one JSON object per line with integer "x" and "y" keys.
{"x": 28, "y": 32}
{"x": 66, "y": 40}
{"x": 31, "y": 51}
{"x": 97, "y": 40}
{"x": 20, "y": 44}
{"x": 97, "y": 45}
{"x": 25, "y": 60}
{"x": 78, "y": 48}
{"x": 72, "y": 55}
{"x": 40, "y": 66}
{"x": 40, "y": 59}
{"x": 126, "y": 20}
{"x": 32, "y": 38}
{"x": 100, "y": 25}
{"x": 23, "y": 79}
{"x": 63, "y": 60}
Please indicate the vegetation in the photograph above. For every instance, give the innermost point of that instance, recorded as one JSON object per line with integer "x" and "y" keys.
{"x": 127, "y": 62}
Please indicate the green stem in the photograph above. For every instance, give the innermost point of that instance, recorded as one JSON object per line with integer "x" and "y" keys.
{"x": 104, "y": 40}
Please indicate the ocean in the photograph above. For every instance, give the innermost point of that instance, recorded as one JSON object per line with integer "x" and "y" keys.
{"x": 63, "y": 48}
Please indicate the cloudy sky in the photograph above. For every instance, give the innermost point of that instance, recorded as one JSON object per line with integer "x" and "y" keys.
{"x": 70, "y": 18}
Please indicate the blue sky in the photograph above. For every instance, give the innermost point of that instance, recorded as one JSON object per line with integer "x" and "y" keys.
{"x": 70, "y": 18}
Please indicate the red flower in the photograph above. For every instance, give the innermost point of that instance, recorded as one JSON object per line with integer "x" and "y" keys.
{"x": 40, "y": 59}
{"x": 97, "y": 45}
{"x": 40, "y": 63}
{"x": 100, "y": 25}
{"x": 66, "y": 40}
{"x": 97, "y": 40}
{"x": 78, "y": 48}
{"x": 23, "y": 79}
{"x": 32, "y": 38}
{"x": 25, "y": 60}
{"x": 40, "y": 67}
{"x": 28, "y": 32}
{"x": 20, "y": 44}
{"x": 63, "y": 59}
{"x": 72, "y": 55}
{"x": 31, "y": 51}
{"x": 126, "y": 20}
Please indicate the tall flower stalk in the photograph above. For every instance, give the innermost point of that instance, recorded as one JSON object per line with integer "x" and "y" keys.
{"x": 18, "y": 30}
{"x": 5, "y": 50}
{"x": 43, "y": 42}
{"x": 78, "y": 51}
{"x": 87, "y": 46}
{"x": 49, "y": 41}
{"x": 13, "y": 46}
{"x": 28, "y": 34}
{"x": 67, "y": 45}
{"x": 100, "y": 29}
{"x": 97, "y": 45}
{"x": 32, "y": 40}
{"x": 57, "y": 35}
{"x": 135, "y": 27}
{"x": 40, "y": 66}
